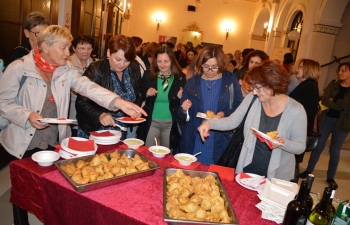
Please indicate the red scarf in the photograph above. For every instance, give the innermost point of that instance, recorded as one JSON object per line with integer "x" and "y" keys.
{"x": 41, "y": 63}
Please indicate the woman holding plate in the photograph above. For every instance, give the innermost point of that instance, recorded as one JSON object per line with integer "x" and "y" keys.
{"x": 274, "y": 111}
{"x": 211, "y": 88}
{"x": 120, "y": 73}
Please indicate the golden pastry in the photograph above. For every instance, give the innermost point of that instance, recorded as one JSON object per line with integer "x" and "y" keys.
{"x": 272, "y": 134}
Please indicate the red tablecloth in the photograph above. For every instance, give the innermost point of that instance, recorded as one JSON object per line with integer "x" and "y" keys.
{"x": 46, "y": 193}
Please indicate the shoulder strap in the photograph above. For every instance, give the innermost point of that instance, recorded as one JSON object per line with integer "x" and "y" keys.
{"x": 250, "y": 105}
{"x": 231, "y": 96}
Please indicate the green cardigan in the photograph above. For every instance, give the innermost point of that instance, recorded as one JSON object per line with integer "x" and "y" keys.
{"x": 342, "y": 104}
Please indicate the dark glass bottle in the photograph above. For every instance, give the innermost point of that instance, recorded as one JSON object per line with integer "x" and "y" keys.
{"x": 297, "y": 212}
{"x": 308, "y": 200}
{"x": 319, "y": 215}
{"x": 331, "y": 209}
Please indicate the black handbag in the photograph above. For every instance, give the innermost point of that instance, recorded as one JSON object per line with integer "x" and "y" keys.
{"x": 231, "y": 154}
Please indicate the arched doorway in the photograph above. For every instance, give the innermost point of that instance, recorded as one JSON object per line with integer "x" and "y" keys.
{"x": 293, "y": 41}
{"x": 259, "y": 31}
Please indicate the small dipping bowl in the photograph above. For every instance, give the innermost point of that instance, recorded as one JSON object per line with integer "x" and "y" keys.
{"x": 185, "y": 159}
{"x": 133, "y": 143}
{"x": 159, "y": 151}
{"x": 45, "y": 158}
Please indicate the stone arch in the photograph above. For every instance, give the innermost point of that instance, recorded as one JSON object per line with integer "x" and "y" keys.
{"x": 257, "y": 30}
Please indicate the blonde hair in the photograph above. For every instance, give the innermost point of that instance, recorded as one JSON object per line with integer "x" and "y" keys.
{"x": 52, "y": 34}
{"x": 311, "y": 69}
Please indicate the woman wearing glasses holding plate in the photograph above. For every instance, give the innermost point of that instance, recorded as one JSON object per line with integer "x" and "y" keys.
{"x": 271, "y": 111}
{"x": 214, "y": 89}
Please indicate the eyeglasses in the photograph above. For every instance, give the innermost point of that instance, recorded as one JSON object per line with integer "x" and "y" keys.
{"x": 35, "y": 33}
{"x": 84, "y": 49}
{"x": 256, "y": 88}
{"x": 207, "y": 68}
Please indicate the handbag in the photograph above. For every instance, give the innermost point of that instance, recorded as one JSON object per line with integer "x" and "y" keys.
{"x": 233, "y": 150}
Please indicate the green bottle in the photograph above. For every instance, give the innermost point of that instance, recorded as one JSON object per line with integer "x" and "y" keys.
{"x": 331, "y": 210}
{"x": 319, "y": 215}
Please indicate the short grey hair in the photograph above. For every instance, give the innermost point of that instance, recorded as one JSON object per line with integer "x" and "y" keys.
{"x": 52, "y": 34}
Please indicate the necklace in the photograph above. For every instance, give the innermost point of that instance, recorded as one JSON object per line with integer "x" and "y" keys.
{"x": 206, "y": 82}
{"x": 209, "y": 87}
{"x": 50, "y": 99}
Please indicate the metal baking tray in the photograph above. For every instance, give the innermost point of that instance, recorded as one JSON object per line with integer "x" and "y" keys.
{"x": 202, "y": 175}
{"x": 111, "y": 181}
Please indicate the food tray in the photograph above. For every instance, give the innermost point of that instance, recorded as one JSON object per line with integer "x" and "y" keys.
{"x": 112, "y": 181}
{"x": 202, "y": 175}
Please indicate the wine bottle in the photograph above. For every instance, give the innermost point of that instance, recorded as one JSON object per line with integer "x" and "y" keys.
{"x": 331, "y": 210}
{"x": 308, "y": 200}
{"x": 296, "y": 213}
{"x": 319, "y": 215}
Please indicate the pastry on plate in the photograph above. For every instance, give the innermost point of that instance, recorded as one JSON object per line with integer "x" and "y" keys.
{"x": 272, "y": 134}
{"x": 210, "y": 114}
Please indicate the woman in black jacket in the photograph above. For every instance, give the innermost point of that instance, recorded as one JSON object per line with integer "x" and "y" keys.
{"x": 119, "y": 73}
{"x": 306, "y": 93}
{"x": 164, "y": 84}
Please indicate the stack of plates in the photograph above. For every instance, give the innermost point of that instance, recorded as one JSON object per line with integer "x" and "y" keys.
{"x": 68, "y": 153}
{"x": 106, "y": 140}
{"x": 275, "y": 197}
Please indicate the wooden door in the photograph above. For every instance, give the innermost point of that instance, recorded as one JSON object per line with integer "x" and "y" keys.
{"x": 12, "y": 17}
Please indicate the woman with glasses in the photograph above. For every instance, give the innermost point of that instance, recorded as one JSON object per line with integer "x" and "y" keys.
{"x": 164, "y": 84}
{"x": 271, "y": 111}
{"x": 211, "y": 88}
{"x": 120, "y": 73}
{"x": 34, "y": 23}
{"x": 82, "y": 47}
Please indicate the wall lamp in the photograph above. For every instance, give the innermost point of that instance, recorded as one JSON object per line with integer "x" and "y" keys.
{"x": 158, "y": 21}
{"x": 127, "y": 14}
{"x": 265, "y": 33}
{"x": 228, "y": 30}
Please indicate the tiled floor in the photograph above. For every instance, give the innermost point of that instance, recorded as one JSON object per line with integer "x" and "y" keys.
{"x": 342, "y": 178}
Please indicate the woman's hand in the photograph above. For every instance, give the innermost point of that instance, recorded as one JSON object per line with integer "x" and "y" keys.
{"x": 130, "y": 108}
{"x": 219, "y": 115}
{"x": 106, "y": 120}
{"x": 186, "y": 105}
{"x": 33, "y": 120}
{"x": 179, "y": 93}
{"x": 280, "y": 140}
{"x": 204, "y": 129}
{"x": 151, "y": 92}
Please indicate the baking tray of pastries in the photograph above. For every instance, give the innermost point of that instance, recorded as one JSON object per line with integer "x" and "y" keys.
{"x": 88, "y": 173}
{"x": 195, "y": 197}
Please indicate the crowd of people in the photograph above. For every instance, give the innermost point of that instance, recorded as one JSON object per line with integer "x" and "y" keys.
{"x": 52, "y": 75}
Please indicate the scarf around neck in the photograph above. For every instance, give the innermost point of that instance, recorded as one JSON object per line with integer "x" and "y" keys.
{"x": 165, "y": 78}
{"x": 41, "y": 63}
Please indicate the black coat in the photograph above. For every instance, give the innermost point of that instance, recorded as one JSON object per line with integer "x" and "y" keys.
{"x": 88, "y": 112}
{"x": 306, "y": 93}
{"x": 174, "y": 104}
{"x": 20, "y": 51}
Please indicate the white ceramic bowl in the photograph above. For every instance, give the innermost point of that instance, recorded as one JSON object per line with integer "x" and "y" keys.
{"x": 159, "y": 151}
{"x": 133, "y": 143}
{"x": 45, "y": 158}
{"x": 185, "y": 159}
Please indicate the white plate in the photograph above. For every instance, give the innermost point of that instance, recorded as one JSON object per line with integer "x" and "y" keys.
{"x": 64, "y": 146}
{"x": 263, "y": 135}
{"x": 53, "y": 120}
{"x": 120, "y": 119}
{"x": 105, "y": 142}
{"x": 203, "y": 116}
{"x": 238, "y": 179}
{"x": 117, "y": 135}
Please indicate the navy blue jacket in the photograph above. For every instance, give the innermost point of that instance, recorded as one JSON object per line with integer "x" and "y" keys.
{"x": 229, "y": 100}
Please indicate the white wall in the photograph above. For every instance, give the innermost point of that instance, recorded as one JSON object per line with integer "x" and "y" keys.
{"x": 209, "y": 18}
